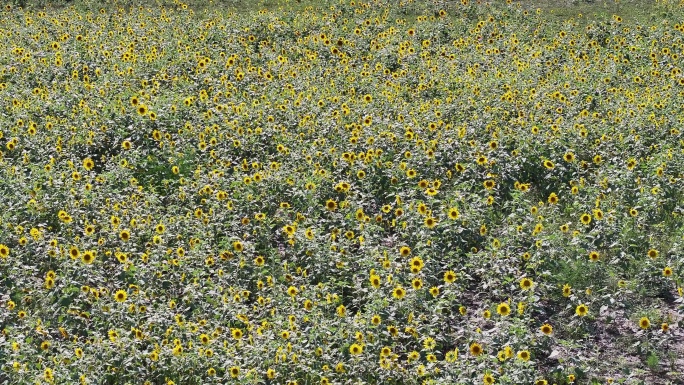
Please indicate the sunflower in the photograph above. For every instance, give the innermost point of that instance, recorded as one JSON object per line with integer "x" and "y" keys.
{"x": 125, "y": 235}
{"x": 581, "y": 310}
{"x": 644, "y": 323}
{"x": 238, "y": 246}
{"x": 553, "y": 198}
{"x": 546, "y": 329}
{"x": 331, "y": 205}
{"x": 413, "y": 356}
{"x": 88, "y": 257}
{"x": 355, "y": 349}
{"x": 120, "y": 296}
{"x": 234, "y": 371}
{"x": 289, "y": 230}
{"x": 667, "y": 271}
{"x": 4, "y": 251}
{"x": 341, "y": 311}
{"x": 204, "y": 339}
{"x": 88, "y": 164}
{"x": 524, "y": 355}
{"x": 417, "y": 283}
{"x": 503, "y": 309}
{"x": 309, "y": 234}
{"x": 236, "y": 333}
{"x": 594, "y": 256}
{"x": 142, "y": 110}
{"x": 121, "y": 257}
{"x": 449, "y": 277}
{"x": 89, "y": 230}
{"x": 48, "y": 375}
{"x": 430, "y": 222}
{"x": 585, "y": 219}
{"x": 453, "y": 213}
{"x": 339, "y": 368}
{"x": 526, "y": 283}
{"x": 598, "y": 214}
{"x": 653, "y": 253}
{"x": 566, "y": 290}
{"x": 416, "y": 264}
{"x": 549, "y": 165}
{"x": 569, "y": 157}
{"x": 501, "y": 355}
{"x": 631, "y": 163}
{"x": 476, "y": 349}
{"x": 375, "y": 280}
{"x": 489, "y": 184}
{"x": 292, "y": 291}
{"x": 73, "y": 252}
{"x": 488, "y": 379}
{"x": 398, "y": 292}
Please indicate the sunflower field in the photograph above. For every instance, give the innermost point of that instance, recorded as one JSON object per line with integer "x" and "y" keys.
{"x": 340, "y": 192}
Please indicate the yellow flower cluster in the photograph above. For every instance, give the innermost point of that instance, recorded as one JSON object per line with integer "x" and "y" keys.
{"x": 401, "y": 192}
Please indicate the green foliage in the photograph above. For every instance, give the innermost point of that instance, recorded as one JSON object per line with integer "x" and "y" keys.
{"x": 340, "y": 192}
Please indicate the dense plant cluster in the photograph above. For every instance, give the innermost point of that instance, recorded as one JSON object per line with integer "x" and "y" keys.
{"x": 361, "y": 192}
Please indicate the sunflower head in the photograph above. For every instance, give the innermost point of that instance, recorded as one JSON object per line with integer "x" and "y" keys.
{"x": 581, "y": 310}
{"x": 476, "y": 349}
{"x": 120, "y": 296}
{"x": 503, "y": 309}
